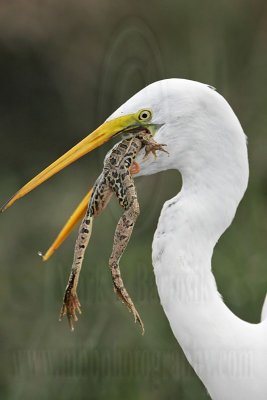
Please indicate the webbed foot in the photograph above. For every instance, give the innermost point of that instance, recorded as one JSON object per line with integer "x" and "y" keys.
{"x": 153, "y": 147}
{"x": 122, "y": 293}
{"x": 70, "y": 305}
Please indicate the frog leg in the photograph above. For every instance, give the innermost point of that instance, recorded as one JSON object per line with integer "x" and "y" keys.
{"x": 100, "y": 198}
{"x": 125, "y": 191}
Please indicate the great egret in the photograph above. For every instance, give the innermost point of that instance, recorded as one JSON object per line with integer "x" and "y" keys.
{"x": 208, "y": 146}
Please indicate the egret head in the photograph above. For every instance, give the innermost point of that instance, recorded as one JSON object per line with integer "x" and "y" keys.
{"x": 199, "y": 128}
{"x": 175, "y": 110}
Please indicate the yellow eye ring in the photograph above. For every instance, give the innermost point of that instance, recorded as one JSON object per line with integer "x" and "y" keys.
{"x": 144, "y": 115}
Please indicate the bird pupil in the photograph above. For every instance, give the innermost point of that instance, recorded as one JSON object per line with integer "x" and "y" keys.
{"x": 144, "y": 115}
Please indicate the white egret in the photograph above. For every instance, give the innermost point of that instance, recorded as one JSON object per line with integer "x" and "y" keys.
{"x": 207, "y": 145}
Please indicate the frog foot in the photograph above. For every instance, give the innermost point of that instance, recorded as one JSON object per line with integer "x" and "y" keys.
{"x": 123, "y": 295}
{"x": 153, "y": 147}
{"x": 126, "y": 299}
{"x": 70, "y": 305}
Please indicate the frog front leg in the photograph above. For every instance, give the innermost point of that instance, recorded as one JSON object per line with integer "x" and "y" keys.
{"x": 125, "y": 191}
{"x": 100, "y": 198}
{"x": 151, "y": 146}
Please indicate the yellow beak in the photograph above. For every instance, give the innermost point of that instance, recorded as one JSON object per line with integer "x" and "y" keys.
{"x": 101, "y": 135}
{"x": 68, "y": 227}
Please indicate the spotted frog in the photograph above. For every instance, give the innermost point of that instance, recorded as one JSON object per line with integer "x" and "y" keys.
{"x": 117, "y": 178}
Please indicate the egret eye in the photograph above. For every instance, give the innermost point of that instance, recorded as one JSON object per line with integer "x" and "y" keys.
{"x": 145, "y": 115}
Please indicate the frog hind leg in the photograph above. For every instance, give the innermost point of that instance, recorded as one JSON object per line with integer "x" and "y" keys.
{"x": 100, "y": 198}
{"x": 127, "y": 197}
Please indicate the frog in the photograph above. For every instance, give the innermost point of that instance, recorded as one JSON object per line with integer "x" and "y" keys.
{"x": 115, "y": 178}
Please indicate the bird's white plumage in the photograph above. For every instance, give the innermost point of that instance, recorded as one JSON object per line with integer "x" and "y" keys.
{"x": 208, "y": 146}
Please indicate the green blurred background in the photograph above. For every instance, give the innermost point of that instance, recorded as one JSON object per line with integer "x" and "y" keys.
{"x": 65, "y": 66}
